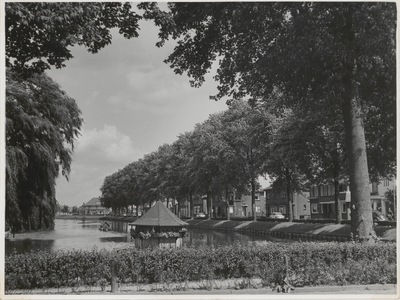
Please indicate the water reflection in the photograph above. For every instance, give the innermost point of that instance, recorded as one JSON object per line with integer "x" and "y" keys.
{"x": 119, "y": 239}
{"x": 75, "y": 234}
{"x": 199, "y": 237}
{"x": 30, "y": 244}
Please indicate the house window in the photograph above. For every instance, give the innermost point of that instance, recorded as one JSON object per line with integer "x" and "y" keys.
{"x": 324, "y": 190}
{"x": 344, "y": 207}
{"x": 267, "y": 195}
{"x": 332, "y": 190}
{"x": 273, "y": 209}
{"x": 256, "y": 196}
{"x": 386, "y": 182}
{"x": 314, "y": 208}
{"x": 305, "y": 207}
{"x": 258, "y": 209}
{"x": 314, "y": 191}
{"x": 375, "y": 188}
{"x": 282, "y": 209}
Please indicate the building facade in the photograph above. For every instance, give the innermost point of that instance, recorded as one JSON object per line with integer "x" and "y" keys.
{"x": 236, "y": 205}
{"x": 94, "y": 207}
{"x": 322, "y": 199}
{"x": 244, "y": 208}
{"x": 276, "y": 201}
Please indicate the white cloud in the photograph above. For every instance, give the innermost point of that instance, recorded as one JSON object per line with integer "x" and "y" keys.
{"x": 105, "y": 145}
{"x": 98, "y": 153}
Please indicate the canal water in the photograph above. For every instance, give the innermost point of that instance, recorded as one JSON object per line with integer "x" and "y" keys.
{"x": 79, "y": 235}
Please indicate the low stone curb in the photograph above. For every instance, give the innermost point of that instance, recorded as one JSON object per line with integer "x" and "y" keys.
{"x": 280, "y": 233}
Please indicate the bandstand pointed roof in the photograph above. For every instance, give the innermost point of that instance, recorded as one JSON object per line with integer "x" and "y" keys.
{"x": 159, "y": 215}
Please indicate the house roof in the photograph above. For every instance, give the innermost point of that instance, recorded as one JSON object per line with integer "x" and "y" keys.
{"x": 93, "y": 202}
{"x": 159, "y": 215}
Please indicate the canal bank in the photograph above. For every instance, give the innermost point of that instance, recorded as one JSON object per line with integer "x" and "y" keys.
{"x": 284, "y": 230}
{"x": 290, "y": 230}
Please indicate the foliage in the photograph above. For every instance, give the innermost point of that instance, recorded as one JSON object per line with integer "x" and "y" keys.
{"x": 223, "y": 153}
{"x": 40, "y": 34}
{"x": 338, "y": 60}
{"x": 307, "y": 264}
{"x": 246, "y": 130}
{"x": 42, "y": 122}
{"x": 65, "y": 209}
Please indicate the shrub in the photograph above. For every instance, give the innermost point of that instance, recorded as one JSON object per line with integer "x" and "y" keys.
{"x": 301, "y": 263}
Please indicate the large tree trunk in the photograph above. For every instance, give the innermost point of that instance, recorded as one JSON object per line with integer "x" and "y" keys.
{"x": 209, "y": 204}
{"x": 253, "y": 199}
{"x": 191, "y": 205}
{"x": 361, "y": 212}
{"x": 337, "y": 202}
{"x": 336, "y": 186}
{"x": 289, "y": 194}
{"x": 178, "y": 213}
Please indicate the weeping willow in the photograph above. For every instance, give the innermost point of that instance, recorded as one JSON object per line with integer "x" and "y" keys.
{"x": 42, "y": 122}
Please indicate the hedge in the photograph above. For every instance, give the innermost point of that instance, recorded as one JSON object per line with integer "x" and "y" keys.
{"x": 304, "y": 264}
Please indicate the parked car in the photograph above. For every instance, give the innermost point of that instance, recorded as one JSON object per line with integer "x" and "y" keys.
{"x": 200, "y": 215}
{"x": 378, "y": 216}
{"x": 277, "y": 215}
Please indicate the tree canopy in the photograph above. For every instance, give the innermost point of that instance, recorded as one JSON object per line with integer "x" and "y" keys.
{"x": 42, "y": 122}
{"x": 220, "y": 154}
{"x": 40, "y": 34}
{"x": 334, "y": 56}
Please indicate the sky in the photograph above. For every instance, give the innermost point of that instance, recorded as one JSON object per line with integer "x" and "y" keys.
{"x": 132, "y": 103}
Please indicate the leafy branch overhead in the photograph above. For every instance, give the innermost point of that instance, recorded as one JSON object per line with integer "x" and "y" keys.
{"x": 320, "y": 79}
{"x": 40, "y": 34}
{"x": 335, "y": 57}
{"x": 42, "y": 121}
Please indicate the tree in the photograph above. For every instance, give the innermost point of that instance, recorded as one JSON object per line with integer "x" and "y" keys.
{"x": 286, "y": 160}
{"x": 318, "y": 54}
{"x": 205, "y": 165}
{"x": 179, "y": 173}
{"x": 65, "y": 209}
{"x": 40, "y": 34}
{"x": 42, "y": 122}
{"x": 245, "y": 130}
{"x": 312, "y": 148}
{"x": 329, "y": 162}
{"x": 75, "y": 209}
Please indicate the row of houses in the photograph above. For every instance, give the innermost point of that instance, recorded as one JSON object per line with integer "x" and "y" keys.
{"x": 316, "y": 203}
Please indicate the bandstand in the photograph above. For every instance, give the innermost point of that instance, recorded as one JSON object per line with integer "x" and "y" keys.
{"x": 158, "y": 228}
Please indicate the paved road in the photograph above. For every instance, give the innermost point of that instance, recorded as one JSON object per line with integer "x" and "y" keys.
{"x": 376, "y": 291}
